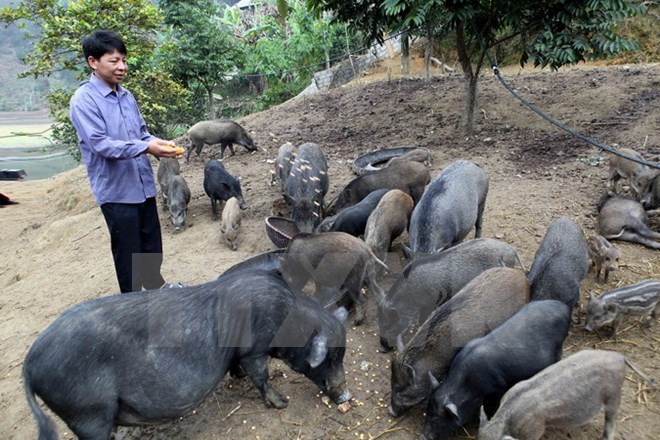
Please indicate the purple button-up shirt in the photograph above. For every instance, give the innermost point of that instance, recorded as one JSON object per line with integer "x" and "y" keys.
{"x": 113, "y": 138}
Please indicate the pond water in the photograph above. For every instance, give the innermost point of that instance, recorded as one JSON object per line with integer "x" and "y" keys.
{"x": 38, "y": 164}
{"x": 25, "y": 144}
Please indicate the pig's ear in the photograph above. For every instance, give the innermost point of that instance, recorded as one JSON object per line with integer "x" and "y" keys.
{"x": 451, "y": 409}
{"x": 591, "y": 296}
{"x": 287, "y": 199}
{"x": 483, "y": 419}
{"x": 318, "y": 351}
{"x": 434, "y": 381}
{"x": 341, "y": 314}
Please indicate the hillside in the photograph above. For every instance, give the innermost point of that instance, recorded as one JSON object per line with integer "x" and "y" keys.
{"x": 56, "y": 247}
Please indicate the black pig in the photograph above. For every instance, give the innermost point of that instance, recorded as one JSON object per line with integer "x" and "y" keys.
{"x": 220, "y": 185}
{"x": 452, "y": 204}
{"x": 487, "y": 367}
{"x": 145, "y": 357}
{"x": 353, "y": 219}
{"x": 560, "y": 264}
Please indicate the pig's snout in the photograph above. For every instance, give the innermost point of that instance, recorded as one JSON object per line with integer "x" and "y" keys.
{"x": 394, "y": 410}
{"x": 343, "y": 396}
{"x": 385, "y": 347}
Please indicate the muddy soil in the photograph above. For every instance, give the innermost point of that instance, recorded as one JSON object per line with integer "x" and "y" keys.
{"x": 56, "y": 249}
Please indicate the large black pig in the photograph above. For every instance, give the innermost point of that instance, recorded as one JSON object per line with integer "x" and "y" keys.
{"x": 220, "y": 185}
{"x": 452, "y": 204}
{"x": 486, "y": 368}
{"x": 145, "y": 357}
{"x": 306, "y": 187}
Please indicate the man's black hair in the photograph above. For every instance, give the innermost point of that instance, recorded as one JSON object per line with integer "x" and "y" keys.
{"x": 102, "y": 42}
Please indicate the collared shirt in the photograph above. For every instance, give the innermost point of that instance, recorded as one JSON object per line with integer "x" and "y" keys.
{"x": 113, "y": 138}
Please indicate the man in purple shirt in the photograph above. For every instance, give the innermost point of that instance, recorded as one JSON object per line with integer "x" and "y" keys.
{"x": 114, "y": 143}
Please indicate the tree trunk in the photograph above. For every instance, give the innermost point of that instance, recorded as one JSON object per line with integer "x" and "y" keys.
{"x": 471, "y": 104}
{"x": 405, "y": 53}
{"x": 471, "y": 74}
{"x": 428, "y": 50}
{"x": 470, "y": 79}
{"x": 211, "y": 108}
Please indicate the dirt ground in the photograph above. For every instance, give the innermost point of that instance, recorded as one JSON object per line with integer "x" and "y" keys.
{"x": 56, "y": 249}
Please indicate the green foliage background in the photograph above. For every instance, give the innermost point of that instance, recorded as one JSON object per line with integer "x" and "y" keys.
{"x": 200, "y": 59}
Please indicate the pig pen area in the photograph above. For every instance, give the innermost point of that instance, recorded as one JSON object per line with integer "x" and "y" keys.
{"x": 56, "y": 253}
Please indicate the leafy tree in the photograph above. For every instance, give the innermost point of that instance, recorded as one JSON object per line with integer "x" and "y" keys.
{"x": 57, "y": 47}
{"x": 200, "y": 49}
{"x": 283, "y": 45}
{"x": 551, "y": 33}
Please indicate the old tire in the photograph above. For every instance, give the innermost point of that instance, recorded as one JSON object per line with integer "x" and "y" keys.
{"x": 375, "y": 160}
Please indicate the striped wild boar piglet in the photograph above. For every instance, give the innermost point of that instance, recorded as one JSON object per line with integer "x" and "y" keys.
{"x": 429, "y": 281}
{"x": 566, "y": 394}
{"x": 451, "y": 206}
{"x": 146, "y": 357}
{"x": 608, "y": 310}
{"x": 483, "y": 304}
{"x": 560, "y": 264}
{"x": 218, "y": 131}
{"x": 408, "y": 176}
{"x": 487, "y": 367}
{"x": 306, "y": 186}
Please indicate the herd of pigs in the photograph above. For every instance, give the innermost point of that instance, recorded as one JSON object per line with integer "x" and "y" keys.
{"x": 473, "y": 332}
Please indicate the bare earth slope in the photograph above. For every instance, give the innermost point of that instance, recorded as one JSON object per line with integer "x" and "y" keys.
{"x": 55, "y": 246}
